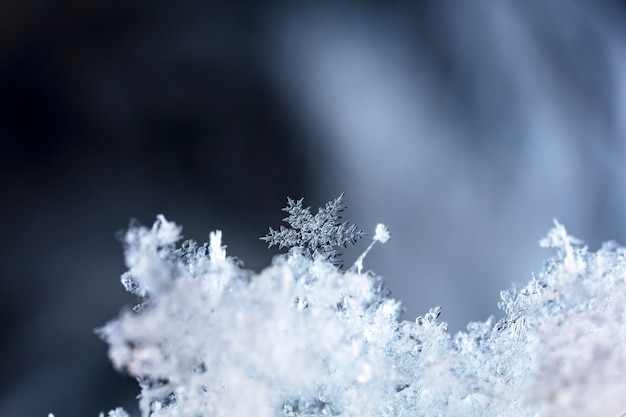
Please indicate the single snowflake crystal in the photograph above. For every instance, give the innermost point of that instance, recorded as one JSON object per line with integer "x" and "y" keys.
{"x": 318, "y": 235}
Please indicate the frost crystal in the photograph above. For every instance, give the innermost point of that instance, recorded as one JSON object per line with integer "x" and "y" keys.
{"x": 381, "y": 235}
{"x": 314, "y": 235}
{"x": 302, "y": 338}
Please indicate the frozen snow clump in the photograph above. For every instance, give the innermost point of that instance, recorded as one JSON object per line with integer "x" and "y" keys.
{"x": 304, "y": 338}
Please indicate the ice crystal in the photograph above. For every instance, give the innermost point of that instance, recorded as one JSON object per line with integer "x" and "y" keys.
{"x": 303, "y": 338}
{"x": 382, "y": 235}
{"x": 315, "y": 235}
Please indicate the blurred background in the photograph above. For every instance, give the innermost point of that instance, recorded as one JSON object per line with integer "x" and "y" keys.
{"x": 465, "y": 127}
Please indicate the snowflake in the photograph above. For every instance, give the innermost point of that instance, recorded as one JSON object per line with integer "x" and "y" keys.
{"x": 318, "y": 235}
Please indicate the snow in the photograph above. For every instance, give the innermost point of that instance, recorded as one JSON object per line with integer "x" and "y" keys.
{"x": 304, "y": 338}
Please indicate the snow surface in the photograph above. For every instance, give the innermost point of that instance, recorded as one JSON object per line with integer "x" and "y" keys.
{"x": 304, "y": 338}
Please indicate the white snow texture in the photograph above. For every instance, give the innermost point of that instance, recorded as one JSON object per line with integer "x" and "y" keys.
{"x": 303, "y": 338}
